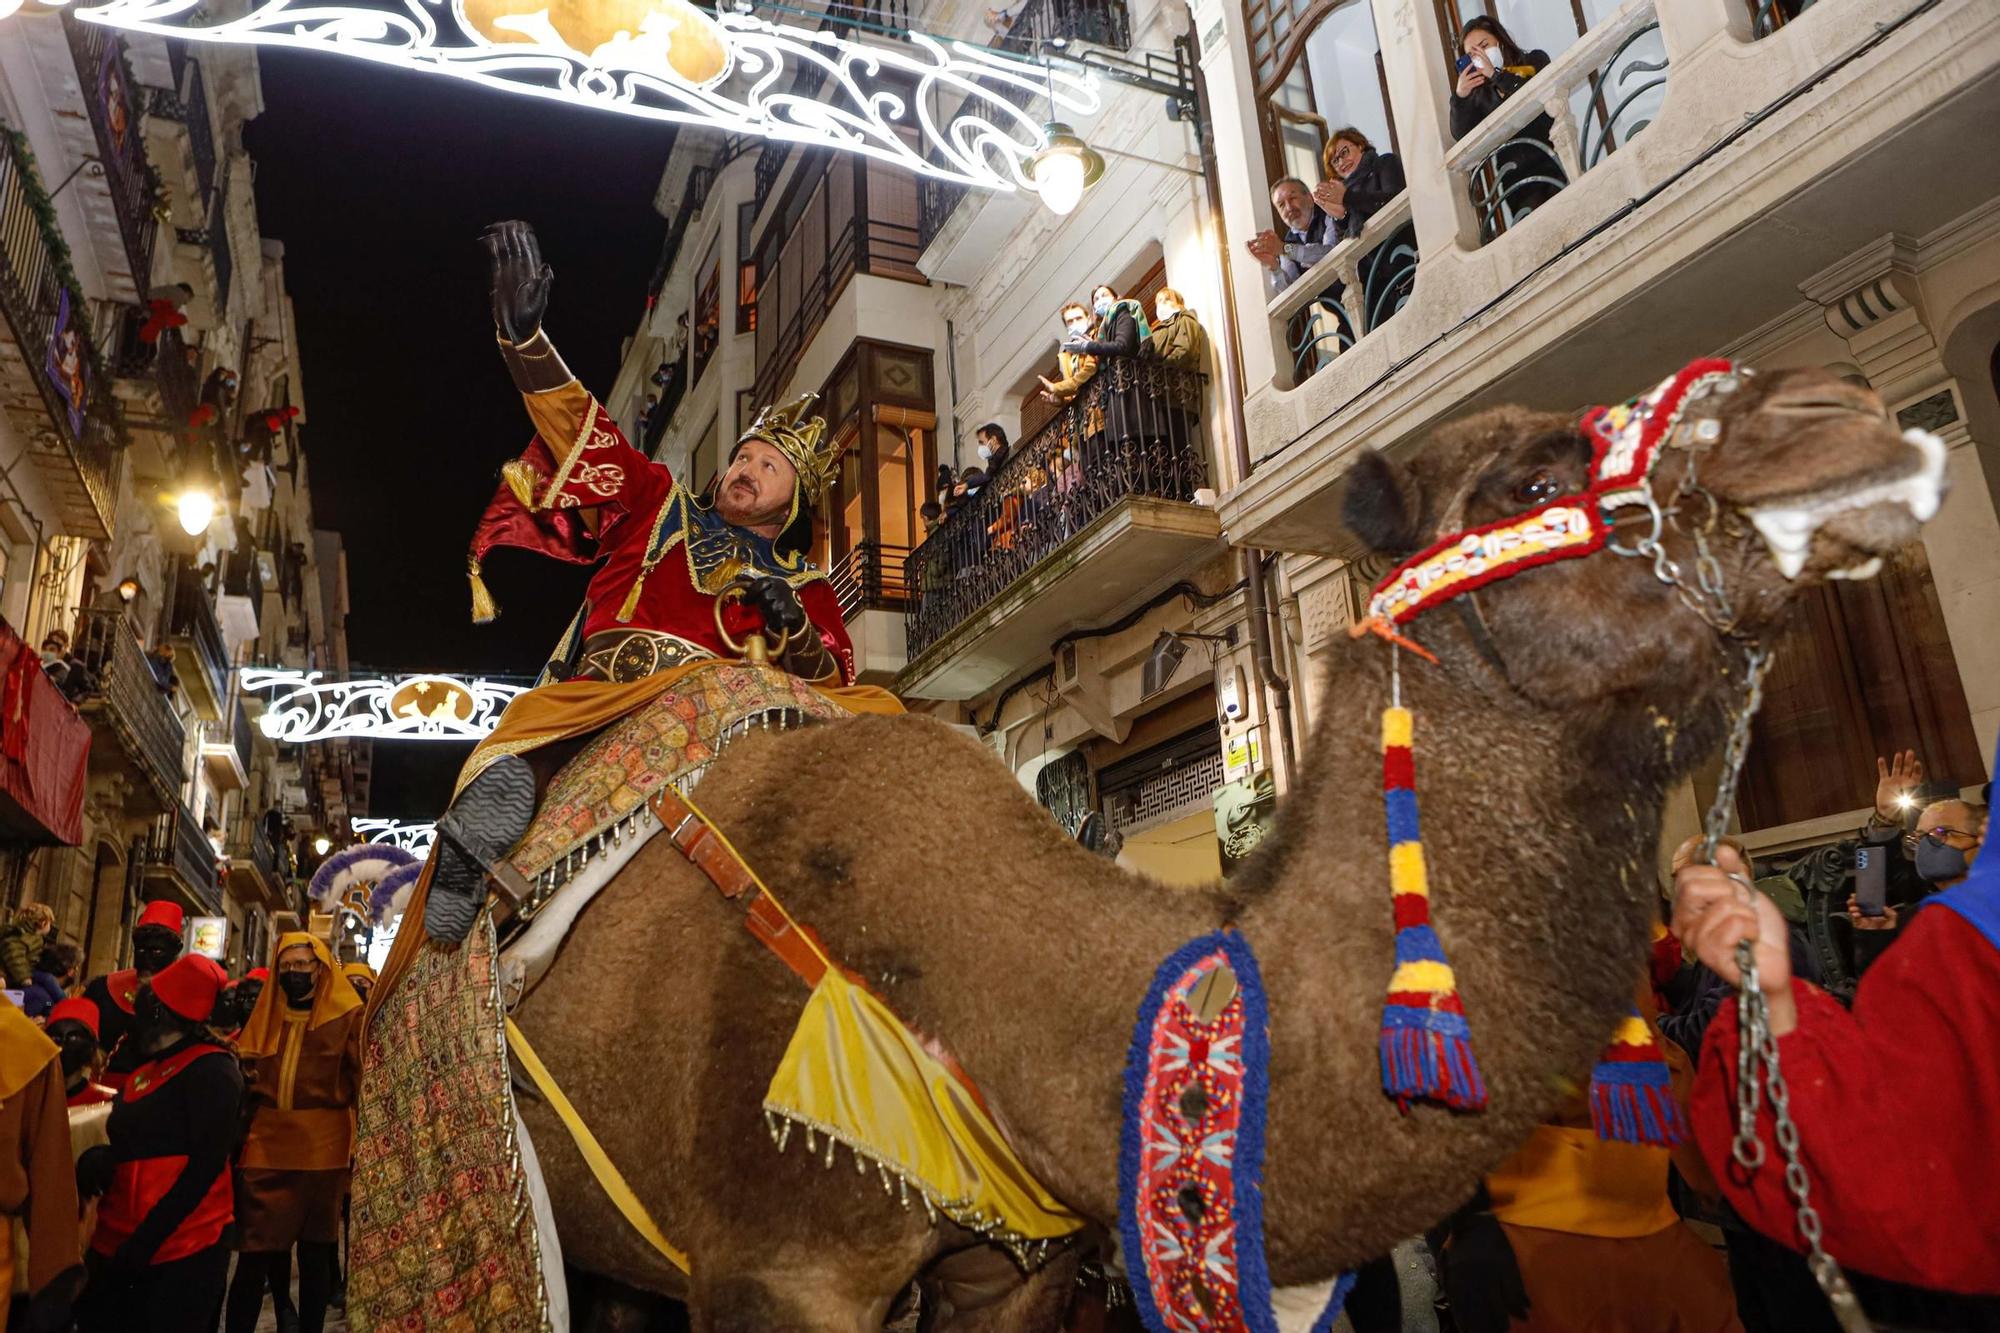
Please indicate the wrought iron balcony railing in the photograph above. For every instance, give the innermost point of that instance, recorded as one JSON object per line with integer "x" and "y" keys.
{"x": 130, "y": 699}
{"x": 163, "y": 361}
{"x": 1565, "y": 120}
{"x": 862, "y": 245}
{"x": 1354, "y": 290}
{"x": 1134, "y": 430}
{"x": 43, "y": 306}
{"x": 243, "y": 576}
{"x": 115, "y": 119}
{"x": 870, "y": 578}
{"x": 177, "y": 845}
{"x": 190, "y": 617}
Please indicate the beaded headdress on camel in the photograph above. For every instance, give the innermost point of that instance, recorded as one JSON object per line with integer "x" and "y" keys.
{"x": 804, "y": 443}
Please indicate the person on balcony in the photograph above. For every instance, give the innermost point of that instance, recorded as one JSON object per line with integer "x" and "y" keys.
{"x": 1122, "y": 330}
{"x": 156, "y": 942}
{"x": 1360, "y": 181}
{"x": 1309, "y": 234}
{"x": 1077, "y": 369}
{"x": 1492, "y": 69}
{"x": 1179, "y": 343}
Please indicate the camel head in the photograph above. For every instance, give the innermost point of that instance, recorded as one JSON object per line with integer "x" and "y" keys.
{"x": 1764, "y": 485}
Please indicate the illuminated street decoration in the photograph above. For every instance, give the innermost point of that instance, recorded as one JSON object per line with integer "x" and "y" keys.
{"x": 667, "y": 60}
{"x": 416, "y": 838}
{"x": 308, "y": 706}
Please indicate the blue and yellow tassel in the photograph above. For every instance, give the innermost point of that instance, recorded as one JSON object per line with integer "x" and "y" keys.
{"x": 1631, "y": 1092}
{"x": 1426, "y": 1041}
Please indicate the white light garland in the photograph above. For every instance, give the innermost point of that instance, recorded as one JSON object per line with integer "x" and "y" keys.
{"x": 415, "y": 838}
{"x": 307, "y": 706}
{"x": 666, "y": 60}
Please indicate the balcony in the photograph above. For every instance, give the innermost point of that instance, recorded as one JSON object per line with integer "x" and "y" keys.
{"x": 201, "y": 658}
{"x": 41, "y": 787}
{"x": 1360, "y": 285}
{"x": 258, "y": 871}
{"x": 1679, "y": 236}
{"x": 101, "y": 68}
{"x": 178, "y": 856}
{"x": 51, "y": 376}
{"x": 868, "y": 584}
{"x": 1074, "y": 527}
{"x": 240, "y": 605}
{"x": 135, "y": 733}
{"x": 226, "y": 749}
{"x": 158, "y": 387}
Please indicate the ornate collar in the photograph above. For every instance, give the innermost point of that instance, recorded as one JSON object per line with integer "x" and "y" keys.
{"x": 717, "y": 550}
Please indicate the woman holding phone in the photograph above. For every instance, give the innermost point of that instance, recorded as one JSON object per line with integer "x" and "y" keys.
{"x": 1491, "y": 69}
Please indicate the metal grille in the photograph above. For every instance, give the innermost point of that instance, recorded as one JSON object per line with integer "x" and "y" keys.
{"x": 1184, "y": 789}
{"x": 1063, "y": 788}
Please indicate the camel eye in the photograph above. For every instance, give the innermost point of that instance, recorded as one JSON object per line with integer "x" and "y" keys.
{"x": 1539, "y": 487}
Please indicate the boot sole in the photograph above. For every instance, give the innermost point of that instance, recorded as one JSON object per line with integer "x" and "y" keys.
{"x": 483, "y": 825}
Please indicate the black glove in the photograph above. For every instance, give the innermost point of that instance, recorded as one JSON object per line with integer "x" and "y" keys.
{"x": 94, "y": 1171}
{"x": 520, "y": 279}
{"x": 1482, "y": 1280}
{"x": 774, "y": 600}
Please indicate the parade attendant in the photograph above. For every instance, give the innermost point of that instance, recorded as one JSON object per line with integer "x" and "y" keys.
{"x": 158, "y": 1261}
{"x": 360, "y": 976}
{"x": 156, "y": 942}
{"x": 1908, "y": 1067}
{"x": 301, "y": 1051}
{"x": 37, "y": 1175}
{"x": 664, "y": 557}
{"x": 73, "y": 1027}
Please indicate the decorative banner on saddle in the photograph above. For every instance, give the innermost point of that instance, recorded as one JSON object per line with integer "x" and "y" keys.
{"x": 1191, "y": 1159}
{"x": 1626, "y": 443}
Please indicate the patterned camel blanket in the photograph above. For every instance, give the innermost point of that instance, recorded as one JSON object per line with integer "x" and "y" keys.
{"x": 444, "y": 1235}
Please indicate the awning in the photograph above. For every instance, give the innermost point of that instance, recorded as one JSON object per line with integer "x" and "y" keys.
{"x": 44, "y": 751}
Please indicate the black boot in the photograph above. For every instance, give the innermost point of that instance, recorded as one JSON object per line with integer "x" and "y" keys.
{"x": 489, "y": 817}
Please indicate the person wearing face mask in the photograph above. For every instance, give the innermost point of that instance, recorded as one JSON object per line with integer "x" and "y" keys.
{"x": 1948, "y": 835}
{"x": 157, "y": 1261}
{"x": 360, "y": 976}
{"x": 1177, "y": 340}
{"x": 73, "y": 1028}
{"x": 1121, "y": 331}
{"x": 156, "y": 942}
{"x": 1492, "y": 69}
{"x": 302, "y": 1052}
{"x": 1077, "y": 369}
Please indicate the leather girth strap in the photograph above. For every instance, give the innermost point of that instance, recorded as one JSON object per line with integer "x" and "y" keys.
{"x": 709, "y": 850}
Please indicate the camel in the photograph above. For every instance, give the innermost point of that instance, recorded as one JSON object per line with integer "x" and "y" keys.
{"x": 1563, "y": 704}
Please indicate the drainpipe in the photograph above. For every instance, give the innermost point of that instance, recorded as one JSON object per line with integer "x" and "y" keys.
{"x": 1254, "y": 562}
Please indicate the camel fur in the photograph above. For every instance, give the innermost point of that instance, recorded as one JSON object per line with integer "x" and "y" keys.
{"x": 1565, "y": 702}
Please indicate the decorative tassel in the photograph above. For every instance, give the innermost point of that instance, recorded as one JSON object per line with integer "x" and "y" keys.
{"x": 520, "y": 479}
{"x": 1426, "y": 1042}
{"x": 484, "y": 608}
{"x": 630, "y": 605}
{"x": 1631, "y": 1093}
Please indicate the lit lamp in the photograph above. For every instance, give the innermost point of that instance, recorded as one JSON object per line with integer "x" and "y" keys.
{"x": 196, "y": 508}
{"x": 322, "y": 845}
{"x": 1064, "y": 168}
{"x": 129, "y": 590}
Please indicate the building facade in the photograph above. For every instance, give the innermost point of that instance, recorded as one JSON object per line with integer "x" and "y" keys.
{"x": 1763, "y": 179}
{"x": 165, "y": 526}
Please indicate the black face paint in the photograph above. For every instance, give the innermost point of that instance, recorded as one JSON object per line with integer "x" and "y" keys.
{"x": 298, "y": 987}
{"x": 153, "y": 948}
{"x": 77, "y": 1046}
{"x": 247, "y": 991}
{"x": 156, "y": 1027}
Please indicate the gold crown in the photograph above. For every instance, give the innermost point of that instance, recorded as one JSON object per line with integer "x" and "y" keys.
{"x": 802, "y": 440}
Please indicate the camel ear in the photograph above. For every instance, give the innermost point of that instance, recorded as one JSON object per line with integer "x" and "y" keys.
{"x": 1384, "y": 505}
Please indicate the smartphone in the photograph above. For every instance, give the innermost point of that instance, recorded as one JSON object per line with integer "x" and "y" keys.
{"x": 1463, "y": 61}
{"x": 1871, "y": 879}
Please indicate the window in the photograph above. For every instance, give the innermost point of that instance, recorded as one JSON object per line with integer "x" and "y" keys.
{"x": 707, "y": 315}
{"x": 1318, "y": 67}
{"x": 746, "y": 268}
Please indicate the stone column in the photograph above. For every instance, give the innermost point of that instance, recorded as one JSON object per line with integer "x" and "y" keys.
{"x": 1688, "y": 24}
{"x": 1870, "y": 300}
{"x": 1420, "y": 80}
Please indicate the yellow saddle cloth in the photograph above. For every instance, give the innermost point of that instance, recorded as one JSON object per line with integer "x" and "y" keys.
{"x": 855, "y": 1076}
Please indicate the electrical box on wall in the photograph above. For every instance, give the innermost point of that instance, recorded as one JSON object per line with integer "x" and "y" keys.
{"x": 1230, "y": 699}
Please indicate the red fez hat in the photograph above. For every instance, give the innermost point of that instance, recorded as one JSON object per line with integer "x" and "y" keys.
{"x": 258, "y": 974}
{"x": 189, "y": 985}
{"x": 77, "y": 1010}
{"x": 160, "y": 912}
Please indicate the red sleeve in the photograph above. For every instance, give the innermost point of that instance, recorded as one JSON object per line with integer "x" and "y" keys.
{"x": 1894, "y": 1106}
{"x": 823, "y": 609}
{"x": 600, "y": 469}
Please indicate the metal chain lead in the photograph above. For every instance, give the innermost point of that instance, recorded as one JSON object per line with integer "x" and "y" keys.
{"x": 1756, "y": 1045}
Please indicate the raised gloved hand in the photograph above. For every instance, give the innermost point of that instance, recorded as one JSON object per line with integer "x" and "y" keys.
{"x": 774, "y": 600}
{"x": 520, "y": 279}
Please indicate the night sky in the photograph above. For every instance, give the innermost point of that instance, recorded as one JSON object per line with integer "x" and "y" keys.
{"x": 378, "y": 182}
